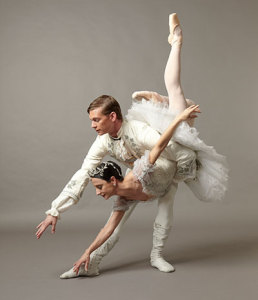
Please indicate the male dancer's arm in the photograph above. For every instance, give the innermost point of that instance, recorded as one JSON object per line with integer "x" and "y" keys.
{"x": 72, "y": 192}
{"x": 146, "y": 137}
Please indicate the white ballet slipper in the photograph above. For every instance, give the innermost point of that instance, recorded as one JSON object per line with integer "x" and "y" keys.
{"x": 82, "y": 273}
{"x": 95, "y": 259}
{"x": 162, "y": 265}
{"x": 160, "y": 235}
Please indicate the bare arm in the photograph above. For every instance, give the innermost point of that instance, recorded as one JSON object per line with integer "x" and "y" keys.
{"x": 168, "y": 133}
{"x": 102, "y": 236}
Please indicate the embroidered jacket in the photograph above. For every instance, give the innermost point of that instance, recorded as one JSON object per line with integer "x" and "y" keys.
{"x": 134, "y": 137}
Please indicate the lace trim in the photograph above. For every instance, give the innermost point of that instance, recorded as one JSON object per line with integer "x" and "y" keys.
{"x": 141, "y": 171}
{"x": 186, "y": 171}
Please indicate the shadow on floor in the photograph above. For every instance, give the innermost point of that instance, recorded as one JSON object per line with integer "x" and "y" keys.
{"x": 224, "y": 251}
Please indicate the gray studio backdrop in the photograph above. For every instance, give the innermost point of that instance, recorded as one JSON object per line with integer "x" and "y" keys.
{"x": 58, "y": 55}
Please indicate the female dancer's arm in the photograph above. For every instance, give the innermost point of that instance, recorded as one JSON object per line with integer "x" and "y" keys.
{"x": 168, "y": 133}
{"x": 103, "y": 235}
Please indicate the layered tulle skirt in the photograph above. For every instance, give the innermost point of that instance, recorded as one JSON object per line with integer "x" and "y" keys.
{"x": 210, "y": 183}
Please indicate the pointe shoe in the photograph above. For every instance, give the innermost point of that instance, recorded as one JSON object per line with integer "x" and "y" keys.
{"x": 173, "y": 36}
{"x": 147, "y": 95}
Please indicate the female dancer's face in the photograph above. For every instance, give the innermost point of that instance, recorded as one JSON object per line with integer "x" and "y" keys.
{"x": 103, "y": 188}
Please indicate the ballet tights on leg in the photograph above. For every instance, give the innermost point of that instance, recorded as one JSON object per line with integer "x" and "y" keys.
{"x": 161, "y": 230}
{"x": 177, "y": 101}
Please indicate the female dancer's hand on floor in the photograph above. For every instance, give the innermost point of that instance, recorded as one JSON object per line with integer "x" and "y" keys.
{"x": 50, "y": 220}
{"x": 85, "y": 259}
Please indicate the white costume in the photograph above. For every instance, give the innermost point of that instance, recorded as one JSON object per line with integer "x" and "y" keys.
{"x": 210, "y": 182}
{"x": 134, "y": 137}
{"x": 155, "y": 179}
{"x": 211, "y": 179}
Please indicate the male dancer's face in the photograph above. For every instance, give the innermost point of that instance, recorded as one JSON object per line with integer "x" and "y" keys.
{"x": 101, "y": 123}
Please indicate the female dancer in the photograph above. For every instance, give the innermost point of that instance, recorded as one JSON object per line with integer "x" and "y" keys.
{"x": 141, "y": 184}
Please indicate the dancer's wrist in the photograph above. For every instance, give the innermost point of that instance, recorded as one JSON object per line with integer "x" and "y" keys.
{"x": 178, "y": 119}
{"x": 87, "y": 251}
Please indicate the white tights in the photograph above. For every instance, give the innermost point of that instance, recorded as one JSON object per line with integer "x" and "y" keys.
{"x": 177, "y": 101}
{"x": 165, "y": 210}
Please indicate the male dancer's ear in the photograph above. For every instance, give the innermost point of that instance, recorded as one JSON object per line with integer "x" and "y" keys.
{"x": 113, "y": 116}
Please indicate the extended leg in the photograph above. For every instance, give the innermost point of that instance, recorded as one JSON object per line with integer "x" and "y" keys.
{"x": 103, "y": 250}
{"x": 162, "y": 227}
{"x": 177, "y": 101}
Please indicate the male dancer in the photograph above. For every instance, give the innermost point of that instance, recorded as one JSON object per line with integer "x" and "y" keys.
{"x": 126, "y": 141}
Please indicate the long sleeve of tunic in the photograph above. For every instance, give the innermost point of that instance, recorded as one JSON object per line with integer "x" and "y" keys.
{"x": 134, "y": 138}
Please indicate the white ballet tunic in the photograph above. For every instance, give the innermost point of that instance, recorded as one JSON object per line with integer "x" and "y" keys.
{"x": 211, "y": 180}
{"x": 155, "y": 179}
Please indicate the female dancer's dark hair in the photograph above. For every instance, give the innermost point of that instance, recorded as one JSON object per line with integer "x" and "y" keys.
{"x": 106, "y": 170}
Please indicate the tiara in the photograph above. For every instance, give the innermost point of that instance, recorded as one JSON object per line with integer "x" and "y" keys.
{"x": 99, "y": 170}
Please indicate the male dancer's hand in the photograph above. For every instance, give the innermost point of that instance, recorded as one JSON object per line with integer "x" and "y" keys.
{"x": 50, "y": 220}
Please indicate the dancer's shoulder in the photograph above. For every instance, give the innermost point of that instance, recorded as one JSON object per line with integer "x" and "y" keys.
{"x": 101, "y": 140}
{"x": 136, "y": 124}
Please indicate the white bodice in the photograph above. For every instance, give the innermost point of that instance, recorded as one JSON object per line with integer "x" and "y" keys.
{"x": 155, "y": 179}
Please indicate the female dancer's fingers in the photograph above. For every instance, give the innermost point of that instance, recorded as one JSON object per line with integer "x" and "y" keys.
{"x": 77, "y": 265}
{"x": 76, "y": 268}
{"x": 195, "y": 108}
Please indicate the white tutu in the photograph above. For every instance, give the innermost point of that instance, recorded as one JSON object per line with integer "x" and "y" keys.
{"x": 211, "y": 179}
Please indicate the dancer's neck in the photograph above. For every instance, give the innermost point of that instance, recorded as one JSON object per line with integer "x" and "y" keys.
{"x": 123, "y": 188}
{"x": 116, "y": 128}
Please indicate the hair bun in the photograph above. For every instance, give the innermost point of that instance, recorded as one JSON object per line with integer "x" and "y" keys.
{"x": 106, "y": 170}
